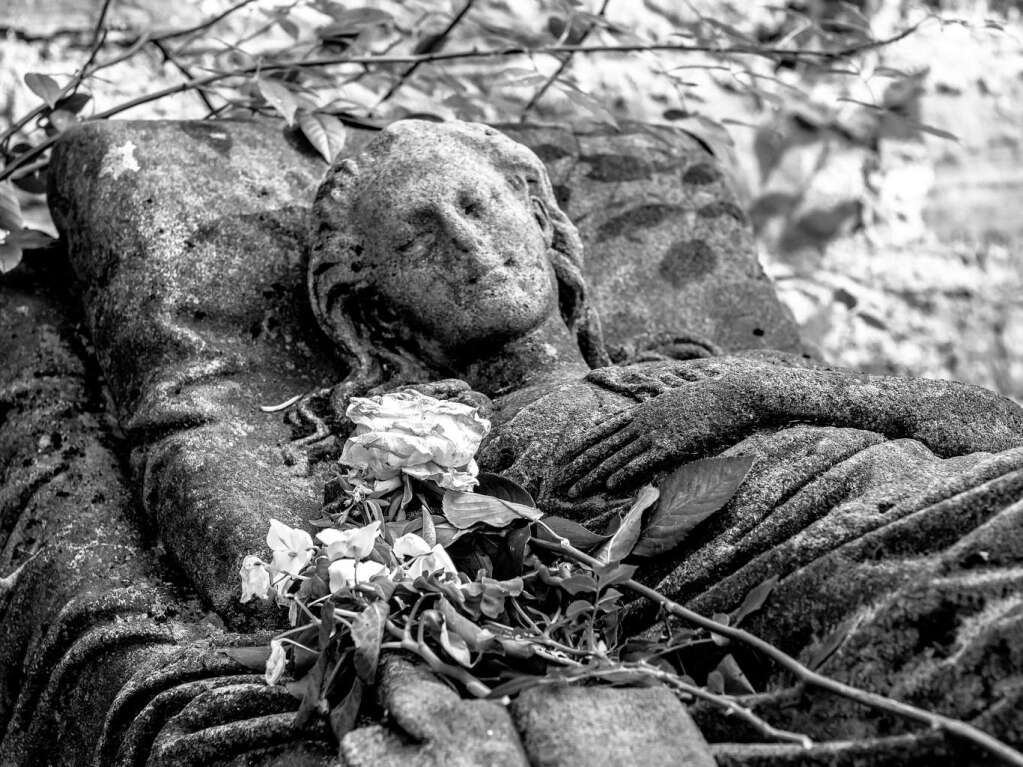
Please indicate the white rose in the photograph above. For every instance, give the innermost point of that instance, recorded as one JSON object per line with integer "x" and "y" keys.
{"x": 409, "y": 432}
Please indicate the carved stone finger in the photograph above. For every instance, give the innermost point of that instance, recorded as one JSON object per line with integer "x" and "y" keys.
{"x": 640, "y": 465}
{"x": 594, "y": 480}
{"x": 580, "y": 446}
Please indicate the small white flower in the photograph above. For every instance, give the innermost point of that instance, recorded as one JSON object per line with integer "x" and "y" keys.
{"x": 411, "y": 545}
{"x": 276, "y": 663}
{"x": 255, "y": 579}
{"x": 355, "y": 543}
{"x": 411, "y": 433}
{"x": 292, "y": 550}
{"x": 348, "y": 572}
{"x": 435, "y": 559}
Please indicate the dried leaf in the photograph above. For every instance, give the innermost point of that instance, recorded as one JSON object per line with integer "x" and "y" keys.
{"x": 280, "y": 97}
{"x": 325, "y": 132}
{"x": 344, "y": 715}
{"x": 754, "y": 600}
{"x": 628, "y": 532}
{"x": 464, "y": 510}
{"x": 367, "y": 634}
{"x": 690, "y": 495}
{"x": 44, "y": 86}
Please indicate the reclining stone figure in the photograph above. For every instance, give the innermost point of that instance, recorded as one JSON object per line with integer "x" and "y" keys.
{"x": 439, "y": 252}
{"x": 889, "y": 508}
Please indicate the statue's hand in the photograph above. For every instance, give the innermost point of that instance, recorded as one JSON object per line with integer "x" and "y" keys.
{"x": 456, "y": 390}
{"x": 674, "y": 426}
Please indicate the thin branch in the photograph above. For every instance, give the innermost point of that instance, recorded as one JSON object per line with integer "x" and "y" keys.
{"x": 730, "y": 705}
{"x": 956, "y": 727}
{"x": 436, "y": 46}
{"x": 562, "y": 66}
{"x": 173, "y": 60}
{"x": 451, "y": 56}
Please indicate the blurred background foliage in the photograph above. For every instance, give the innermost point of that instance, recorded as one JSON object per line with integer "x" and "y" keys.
{"x": 876, "y": 144}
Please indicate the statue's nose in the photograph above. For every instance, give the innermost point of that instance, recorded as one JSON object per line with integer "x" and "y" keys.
{"x": 466, "y": 236}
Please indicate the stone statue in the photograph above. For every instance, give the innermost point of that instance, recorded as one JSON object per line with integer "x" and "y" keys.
{"x": 439, "y": 251}
{"x": 439, "y": 256}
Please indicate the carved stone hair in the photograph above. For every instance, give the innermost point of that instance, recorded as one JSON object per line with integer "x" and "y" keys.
{"x": 341, "y": 282}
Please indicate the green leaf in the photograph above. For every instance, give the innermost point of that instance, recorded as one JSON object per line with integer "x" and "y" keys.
{"x": 10, "y": 208}
{"x": 573, "y": 532}
{"x": 280, "y": 97}
{"x": 577, "y": 608}
{"x": 308, "y": 690}
{"x": 344, "y": 715}
{"x": 613, "y": 573}
{"x": 10, "y": 257}
{"x": 690, "y": 495}
{"x": 754, "y": 600}
{"x": 830, "y": 644}
{"x": 628, "y": 532}
{"x": 495, "y": 592}
{"x": 501, "y": 487}
{"x": 464, "y": 510}
{"x": 74, "y": 103}
{"x": 455, "y": 646}
{"x": 478, "y": 639}
{"x": 44, "y": 86}
{"x": 578, "y": 584}
{"x": 253, "y": 658}
{"x": 367, "y": 634}
{"x": 733, "y": 679}
{"x": 325, "y": 132}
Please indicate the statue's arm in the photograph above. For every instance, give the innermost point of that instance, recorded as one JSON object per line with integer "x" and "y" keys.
{"x": 687, "y": 410}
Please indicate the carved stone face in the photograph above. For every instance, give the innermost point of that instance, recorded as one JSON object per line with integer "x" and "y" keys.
{"x": 459, "y": 252}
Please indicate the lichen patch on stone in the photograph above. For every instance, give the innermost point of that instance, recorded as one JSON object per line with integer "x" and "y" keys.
{"x": 119, "y": 160}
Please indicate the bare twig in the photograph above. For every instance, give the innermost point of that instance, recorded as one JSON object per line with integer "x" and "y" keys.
{"x": 172, "y": 59}
{"x": 955, "y": 727}
{"x": 436, "y": 46}
{"x": 730, "y": 705}
{"x": 561, "y": 67}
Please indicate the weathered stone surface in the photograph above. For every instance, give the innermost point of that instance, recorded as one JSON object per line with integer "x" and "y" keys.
{"x": 432, "y": 726}
{"x": 192, "y": 293}
{"x": 658, "y": 219}
{"x": 101, "y": 644}
{"x": 579, "y": 726}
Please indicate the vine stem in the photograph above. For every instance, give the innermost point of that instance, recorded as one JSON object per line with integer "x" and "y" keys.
{"x": 956, "y": 727}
